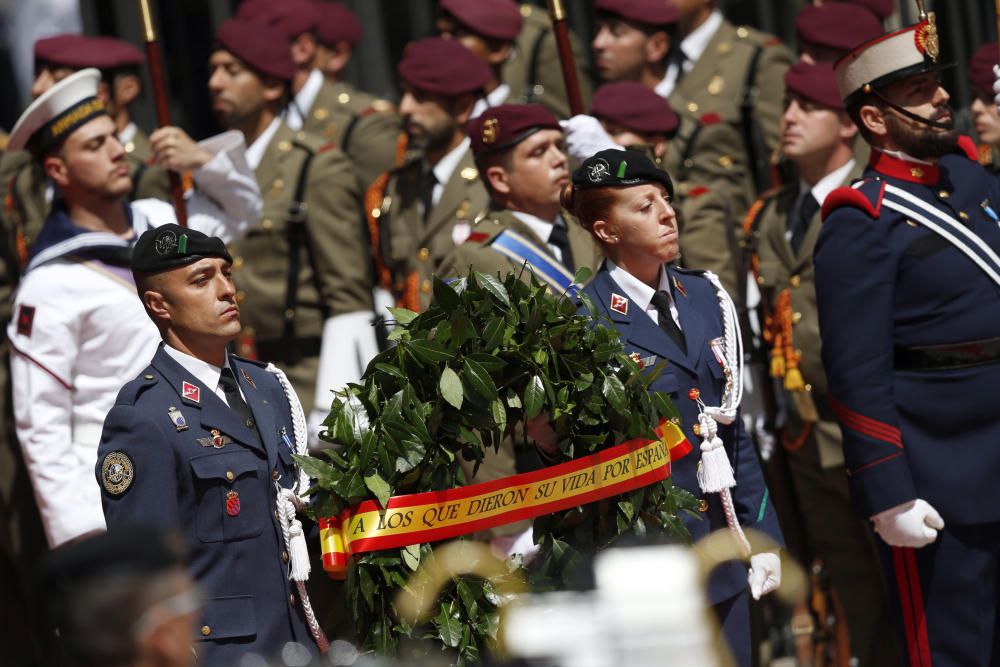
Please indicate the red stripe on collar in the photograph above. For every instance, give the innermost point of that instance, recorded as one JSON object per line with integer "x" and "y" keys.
{"x": 904, "y": 170}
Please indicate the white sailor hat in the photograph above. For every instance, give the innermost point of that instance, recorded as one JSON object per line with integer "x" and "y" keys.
{"x": 887, "y": 59}
{"x": 58, "y": 111}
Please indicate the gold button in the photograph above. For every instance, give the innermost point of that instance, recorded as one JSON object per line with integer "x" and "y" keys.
{"x": 344, "y": 98}
{"x": 809, "y": 387}
{"x": 726, "y": 162}
{"x": 284, "y": 146}
{"x": 425, "y": 287}
{"x": 693, "y": 107}
{"x": 129, "y": 147}
{"x": 267, "y": 223}
{"x": 148, "y": 376}
{"x": 275, "y": 515}
{"x": 289, "y": 314}
{"x": 944, "y": 194}
{"x": 277, "y": 184}
{"x": 469, "y": 173}
{"x": 702, "y": 505}
{"x": 291, "y": 599}
{"x": 237, "y": 263}
{"x": 376, "y": 213}
{"x": 760, "y": 280}
{"x": 963, "y": 215}
{"x": 423, "y": 254}
{"x": 250, "y": 423}
{"x": 300, "y": 135}
{"x": 794, "y": 281}
{"x": 230, "y": 476}
{"x": 205, "y": 630}
{"x": 241, "y": 296}
{"x": 696, "y": 429}
{"x": 742, "y": 32}
{"x": 796, "y": 317}
{"x": 320, "y": 114}
{"x": 284, "y": 556}
{"x": 275, "y": 476}
{"x": 725, "y": 48}
{"x": 715, "y": 85}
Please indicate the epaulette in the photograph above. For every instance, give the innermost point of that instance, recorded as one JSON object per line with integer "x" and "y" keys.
{"x": 308, "y": 142}
{"x": 867, "y": 196}
{"x": 968, "y": 147}
{"x": 131, "y": 391}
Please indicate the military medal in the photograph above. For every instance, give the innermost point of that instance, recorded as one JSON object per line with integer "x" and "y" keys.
{"x": 287, "y": 440}
{"x": 989, "y": 211}
{"x": 247, "y": 378}
{"x": 177, "y": 418}
{"x": 216, "y": 439}
{"x": 232, "y": 503}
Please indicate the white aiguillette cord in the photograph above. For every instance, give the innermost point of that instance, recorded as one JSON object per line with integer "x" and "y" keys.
{"x": 715, "y": 473}
{"x": 288, "y": 503}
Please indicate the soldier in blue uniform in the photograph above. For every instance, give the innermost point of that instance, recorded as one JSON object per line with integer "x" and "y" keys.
{"x": 202, "y": 442}
{"x": 908, "y": 289}
{"x": 685, "y": 318}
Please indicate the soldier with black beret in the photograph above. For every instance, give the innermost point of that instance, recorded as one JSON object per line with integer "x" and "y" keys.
{"x": 202, "y": 442}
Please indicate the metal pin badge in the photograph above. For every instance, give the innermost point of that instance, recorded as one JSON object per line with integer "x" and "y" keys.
{"x": 177, "y": 418}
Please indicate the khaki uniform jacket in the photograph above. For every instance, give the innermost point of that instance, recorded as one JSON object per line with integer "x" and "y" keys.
{"x": 778, "y": 269}
{"x": 363, "y": 126}
{"x": 718, "y": 79}
{"x": 334, "y": 275}
{"x": 533, "y": 71}
{"x": 414, "y": 247}
{"x": 477, "y": 255}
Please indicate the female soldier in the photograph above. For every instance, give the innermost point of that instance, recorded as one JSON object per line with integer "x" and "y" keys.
{"x": 685, "y": 318}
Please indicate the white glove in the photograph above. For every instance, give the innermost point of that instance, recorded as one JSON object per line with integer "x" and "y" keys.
{"x": 765, "y": 574}
{"x": 585, "y": 136}
{"x": 913, "y": 524}
{"x": 996, "y": 86}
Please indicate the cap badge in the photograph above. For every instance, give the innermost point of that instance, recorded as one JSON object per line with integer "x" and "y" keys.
{"x": 191, "y": 392}
{"x": 598, "y": 170}
{"x": 926, "y": 37}
{"x": 491, "y": 128}
{"x": 166, "y": 243}
{"x": 619, "y": 304}
{"x": 117, "y": 473}
{"x": 177, "y": 418}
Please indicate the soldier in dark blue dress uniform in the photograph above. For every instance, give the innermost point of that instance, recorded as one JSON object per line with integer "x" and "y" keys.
{"x": 908, "y": 288}
{"x": 685, "y": 318}
{"x": 202, "y": 442}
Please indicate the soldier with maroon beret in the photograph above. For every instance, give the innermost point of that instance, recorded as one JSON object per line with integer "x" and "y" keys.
{"x": 817, "y": 138}
{"x": 828, "y": 31}
{"x": 883, "y": 9}
{"x": 520, "y": 47}
{"x": 983, "y": 108}
{"x": 424, "y": 206}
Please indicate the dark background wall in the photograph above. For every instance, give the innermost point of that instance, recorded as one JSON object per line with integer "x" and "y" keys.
{"x": 186, "y": 28}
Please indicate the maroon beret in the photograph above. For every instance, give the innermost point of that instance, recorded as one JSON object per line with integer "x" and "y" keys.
{"x": 647, "y": 12}
{"x": 263, "y": 48}
{"x": 443, "y": 67}
{"x": 635, "y": 107}
{"x": 291, "y": 17}
{"x": 881, "y": 8}
{"x": 816, "y": 83}
{"x": 506, "y": 125}
{"x": 837, "y": 25}
{"x": 337, "y": 24}
{"x": 495, "y": 19}
{"x": 80, "y": 51}
{"x": 981, "y": 68}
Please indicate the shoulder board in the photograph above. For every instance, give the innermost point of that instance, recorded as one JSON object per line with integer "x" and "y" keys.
{"x": 255, "y": 362}
{"x": 308, "y": 142}
{"x": 867, "y": 196}
{"x": 133, "y": 389}
{"x": 710, "y": 119}
{"x": 968, "y": 147}
{"x": 377, "y": 106}
{"x": 690, "y": 272}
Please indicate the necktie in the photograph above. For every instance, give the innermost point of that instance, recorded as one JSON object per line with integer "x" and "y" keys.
{"x": 427, "y": 185}
{"x": 678, "y": 58}
{"x": 662, "y": 302}
{"x": 560, "y": 239}
{"x": 235, "y": 399}
{"x": 807, "y": 209}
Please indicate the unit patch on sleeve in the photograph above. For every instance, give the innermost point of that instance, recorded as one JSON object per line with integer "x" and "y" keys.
{"x": 117, "y": 473}
{"x": 25, "y": 320}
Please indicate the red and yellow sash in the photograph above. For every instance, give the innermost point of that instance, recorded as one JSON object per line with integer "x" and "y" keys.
{"x": 439, "y": 515}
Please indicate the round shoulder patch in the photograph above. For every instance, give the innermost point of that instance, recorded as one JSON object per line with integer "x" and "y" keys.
{"x": 117, "y": 472}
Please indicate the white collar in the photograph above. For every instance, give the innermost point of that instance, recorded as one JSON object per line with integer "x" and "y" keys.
{"x": 828, "y": 183}
{"x": 695, "y": 44}
{"x": 494, "y": 99}
{"x": 204, "y": 372}
{"x": 304, "y": 100}
{"x": 128, "y": 133}
{"x": 900, "y": 155}
{"x": 447, "y": 165}
{"x": 255, "y": 151}
{"x": 542, "y": 228}
{"x": 635, "y": 289}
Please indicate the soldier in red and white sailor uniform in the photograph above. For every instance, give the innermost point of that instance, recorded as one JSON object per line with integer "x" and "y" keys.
{"x": 908, "y": 289}
{"x": 78, "y": 332}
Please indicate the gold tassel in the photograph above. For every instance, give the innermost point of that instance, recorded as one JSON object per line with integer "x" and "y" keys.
{"x": 793, "y": 380}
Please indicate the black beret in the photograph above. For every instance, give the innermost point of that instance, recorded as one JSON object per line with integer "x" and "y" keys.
{"x": 172, "y": 246}
{"x": 619, "y": 168}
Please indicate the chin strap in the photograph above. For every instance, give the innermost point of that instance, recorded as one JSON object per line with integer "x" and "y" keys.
{"x": 937, "y": 125}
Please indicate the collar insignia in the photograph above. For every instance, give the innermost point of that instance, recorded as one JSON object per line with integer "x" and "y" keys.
{"x": 679, "y": 287}
{"x": 247, "y": 378}
{"x": 619, "y": 304}
{"x": 191, "y": 392}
